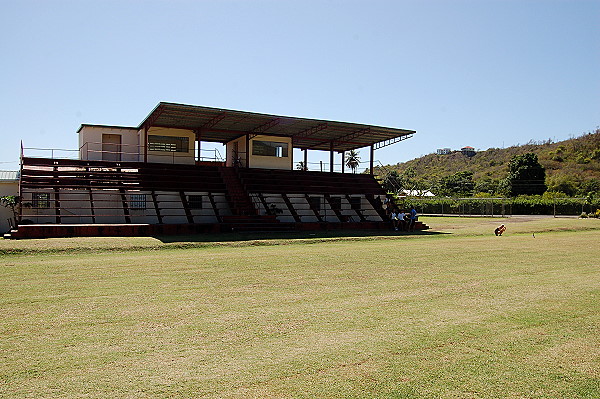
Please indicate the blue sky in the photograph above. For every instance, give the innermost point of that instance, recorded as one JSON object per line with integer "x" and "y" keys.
{"x": 483, "y": 73}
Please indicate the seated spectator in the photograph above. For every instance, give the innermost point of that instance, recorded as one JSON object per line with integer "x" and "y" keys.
{"x": 389, "y": 208}
{"x": 394, "y": 218}
{"x": 402, "y": 220}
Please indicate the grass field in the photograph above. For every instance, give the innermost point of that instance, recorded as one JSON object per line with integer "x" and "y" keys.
{"x": 452, "y": 313}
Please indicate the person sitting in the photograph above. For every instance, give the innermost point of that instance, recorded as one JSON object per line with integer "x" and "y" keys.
{"x": 402, "y": 220}
{"x": 499, "y": 230}
{"x": 394, "y": 218}
{"x": 389, "y": 208}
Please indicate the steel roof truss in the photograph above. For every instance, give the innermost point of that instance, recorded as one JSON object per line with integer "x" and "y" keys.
{"x": 344, "y": 139}
{"x": 155, "y": 115}
{"x": 353, "y": 135}
{"x": 213, "y": 122}
{"x": 395, "y": 140}
{"x": 266, "y": 126}
{"x": 309, "y": 131}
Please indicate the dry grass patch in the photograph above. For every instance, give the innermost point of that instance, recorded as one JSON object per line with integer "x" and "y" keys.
{"x": 451, "y": 316}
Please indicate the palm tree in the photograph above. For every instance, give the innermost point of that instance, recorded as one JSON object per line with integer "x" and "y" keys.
{"x": 301, "y": 166}
{"x": 352, "y": 160}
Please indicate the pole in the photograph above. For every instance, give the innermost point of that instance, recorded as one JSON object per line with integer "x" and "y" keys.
{"x": 146, "y": 144}
{"x": 247, "y": 150}
{"x": 305, "y": 159}
{"x": 331, "y": 156}
{"x": 198, "y": 141}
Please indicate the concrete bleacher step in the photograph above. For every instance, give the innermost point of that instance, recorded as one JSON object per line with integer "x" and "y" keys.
{"x": 11, "y": 234}
{"x": 255, "y": 223}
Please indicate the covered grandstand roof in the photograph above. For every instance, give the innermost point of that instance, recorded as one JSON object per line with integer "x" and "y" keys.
{"x": 224, "y": 125}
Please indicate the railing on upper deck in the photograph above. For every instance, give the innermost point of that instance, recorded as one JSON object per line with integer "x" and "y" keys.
{"x": 124, "y": 153}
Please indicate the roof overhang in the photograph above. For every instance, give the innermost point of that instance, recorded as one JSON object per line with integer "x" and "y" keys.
{"x": 87, "y": 125}
{"x": 224, "y": 125}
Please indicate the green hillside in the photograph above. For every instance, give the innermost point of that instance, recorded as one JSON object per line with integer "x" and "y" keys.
{"x": 572, "y": 166}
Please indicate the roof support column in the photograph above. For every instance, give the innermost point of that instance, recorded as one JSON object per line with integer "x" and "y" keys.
{"x": 331, "y": 156}
{"x": 146, "y": 144}
{"x": 371, "y": 158}
{"x": 247, "y": 150}
{"x": 343, "y": 159}
{"x": 198, "y": 135}
{"x": 305, "y": 159}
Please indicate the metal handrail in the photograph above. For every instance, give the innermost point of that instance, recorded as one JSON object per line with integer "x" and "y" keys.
{"x": 84, "y": 152}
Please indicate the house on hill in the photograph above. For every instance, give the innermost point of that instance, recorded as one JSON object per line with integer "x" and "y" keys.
{"x": 468, "y": 151}
{"x": 155, "y": 178}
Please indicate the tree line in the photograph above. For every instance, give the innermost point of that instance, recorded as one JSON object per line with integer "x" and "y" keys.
{"x": 571, "y": 168}
{"x": 526, "y": 176}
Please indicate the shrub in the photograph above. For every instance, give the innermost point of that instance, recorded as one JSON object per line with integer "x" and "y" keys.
{"x": 522, "y": 205}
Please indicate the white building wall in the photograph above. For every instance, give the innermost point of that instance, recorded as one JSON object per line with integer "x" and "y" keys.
{"x": 75, "y": 206}
{"x": 258, "y": 161}
{"x": 107, "y": 206}
{"x": 302, "y": 208}
{"x": 187, "y": 158}
{"x": 306, "y": 214}
{"x": 90, "y": 143}
{"x": 133, "y": 143}
{"x": 7, "y": 187}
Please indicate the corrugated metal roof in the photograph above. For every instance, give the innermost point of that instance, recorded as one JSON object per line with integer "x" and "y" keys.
{"x": 223, "y": 125}
{"x": 10, "y": 175}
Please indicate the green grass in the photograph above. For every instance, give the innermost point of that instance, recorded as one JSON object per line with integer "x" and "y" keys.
{"x": 458, "y": 315}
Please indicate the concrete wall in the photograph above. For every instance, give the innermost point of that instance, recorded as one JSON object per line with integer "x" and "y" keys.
{"x": 306, "y": 214}
{"x": 132, "y": 145}
{"x": 90, "y": 143}
{"x": 268, "y": 162}
{"x": 7, "y": 187}
{"x": 236, "y": 150}
{"x": 107, "y": 206}
{"x": 168, "y": 156}
{"x": 259, "y": 161}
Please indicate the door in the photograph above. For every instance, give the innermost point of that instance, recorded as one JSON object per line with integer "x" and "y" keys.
{"x": 111, "y": 147}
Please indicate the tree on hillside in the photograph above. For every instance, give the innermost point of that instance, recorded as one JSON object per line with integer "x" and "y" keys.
{"x": 487, "y": 186}
{"x": 391, "y": 182}
{"x": 526, "y": 175}
{"x": 352, "y": 160}
{"x": 408, "y": 181}
{"x": 459, "y": 184}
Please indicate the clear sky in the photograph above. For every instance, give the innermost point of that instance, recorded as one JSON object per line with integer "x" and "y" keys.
{"x": 483, "y": 73}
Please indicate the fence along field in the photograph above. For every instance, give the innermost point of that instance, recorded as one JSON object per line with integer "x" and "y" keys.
{"x": 461, "y": 314}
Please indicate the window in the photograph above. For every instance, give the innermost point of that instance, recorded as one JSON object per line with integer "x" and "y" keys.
{"x": 270, "y": 149}
{"x": 195, "y": 201}
{"x": 137, "y": 201}
{"x": 168, "y": 143}
{"x": 41, "y": 200}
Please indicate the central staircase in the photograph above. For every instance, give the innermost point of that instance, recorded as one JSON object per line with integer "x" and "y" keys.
{"x": 245, "y": 217}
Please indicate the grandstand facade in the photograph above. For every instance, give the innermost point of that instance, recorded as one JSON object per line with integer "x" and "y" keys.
{"x": 153, "y": 178}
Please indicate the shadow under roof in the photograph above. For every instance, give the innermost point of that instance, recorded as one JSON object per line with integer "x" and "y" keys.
{"x": 224, "y": 125}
